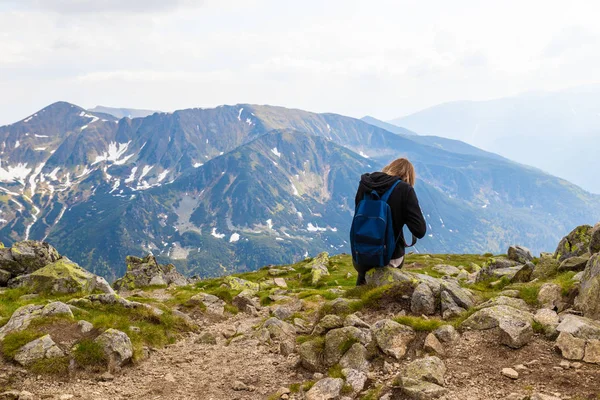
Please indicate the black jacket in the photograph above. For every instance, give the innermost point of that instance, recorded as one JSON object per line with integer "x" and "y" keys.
{"x": 403, "y": 202}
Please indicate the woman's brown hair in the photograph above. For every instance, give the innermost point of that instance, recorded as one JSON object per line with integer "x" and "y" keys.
{"x": 403, "y": 169}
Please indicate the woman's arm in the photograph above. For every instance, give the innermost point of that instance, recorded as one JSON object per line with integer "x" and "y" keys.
{"x": 413, "y": 215}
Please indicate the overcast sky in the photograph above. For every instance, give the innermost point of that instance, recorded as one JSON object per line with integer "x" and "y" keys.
{"x": 382, "y": 58}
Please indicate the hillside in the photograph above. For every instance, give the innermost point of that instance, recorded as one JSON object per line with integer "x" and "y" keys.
{"x": 451, "y": 327}
{"x": 529, "y": 128}
{"x": 235, "y": 187}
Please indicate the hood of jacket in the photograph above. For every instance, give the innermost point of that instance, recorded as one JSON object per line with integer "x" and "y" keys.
{"x": 377, "y": 181}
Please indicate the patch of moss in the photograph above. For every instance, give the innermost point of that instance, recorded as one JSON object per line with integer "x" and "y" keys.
{"x": 57, "y": 366}
{"x": 15, "y": 340}
{"x": 420, "y": 324}
{"x": 335, "y": 372}
{"x": 346, "y": 344}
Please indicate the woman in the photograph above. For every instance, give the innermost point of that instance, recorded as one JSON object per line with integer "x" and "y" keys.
{"x": 403, "y": 203}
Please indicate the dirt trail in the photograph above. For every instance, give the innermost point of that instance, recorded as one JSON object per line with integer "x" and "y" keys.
{"x": 188, "y": 370}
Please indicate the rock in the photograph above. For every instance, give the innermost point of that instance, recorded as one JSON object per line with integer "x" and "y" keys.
{"x": 354, "y": 320}
{"x": 421, "y": 390}
{"x": 578, "y": 276}
{"x": 423, "y": 378}
{"x": 509, "y": 293}
{"x": 61, "y": 277}
{"x": 592, "y": 352}
{"x": 446, "y": 270}
{"x": 515, "y": 333}
{"x": 277, "y": 272}
{"x": 355, "y": 358}
{"x": 387, "y": 276}
{"x": 239, "y": 386}
{"x": 38, "y": 349}
{"x": 318, "y": 266}
{"x": 580, "y": 327}
{"x": 107, "y": 377}
{"x": 283, "y": 333}
{"x": 510, "y": 373}
{"x": 549, "y": 320}
{"x": 595, "y": 240}
{"x": 328, "y": 323}
{"x": 311, "y": 354}
{"x": 545, "y": 268}
{"x": 206, "y": 338}
{"x": 282, "y": 312}
{"x": 85, "y": 326}
{"x": 519, "y": 254}
{"x": 339, "y": 341}
{"x": 576, "y": 243}
{"x": 4, "y": 277}
{"x": 423, "y": 300}
{"x": 213, "y": 304}
{"x": 280, "y": 282}
{"x": 490, "y": 317}
{"x": 449, "y": 308}
{"x": 462, "y": 297}
{"x": 504, "y": 301}
{"x": 325, "y": 389}
{"x": 446, "y": 334}
{"x": 577, "y": 263}
{"x": 523, "y": 274}
{"x": 588, "y": 299}
{"x": 429, "y": 369}
{"x": 550, "y": 295}
{"x": 142, "y": 272}
{"x": 570, "y": 347}
{"x": 540, "y": 396}
{"x": 356, "y": 379}
{"x": 23, "y": 316}
{"x": 116, "y": 346}
{"x": 432, "y": 345}
{"x": 27, "y": 257}
{"x": 341, "y": 306}
{"x": 302, "y": 326}
{"x": 245, "y": 299}
{"x": 392, "y": 338}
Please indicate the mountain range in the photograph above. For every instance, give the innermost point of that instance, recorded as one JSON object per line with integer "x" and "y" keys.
{"x": 232, "y": 188}
{"x": 558, "y": 132}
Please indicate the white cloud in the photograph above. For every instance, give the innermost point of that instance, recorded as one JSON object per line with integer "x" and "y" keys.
{"x": 381, "y": 58}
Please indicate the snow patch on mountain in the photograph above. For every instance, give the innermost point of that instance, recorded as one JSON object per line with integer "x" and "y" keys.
{"x": 276, "y": 152}
{"x": 234, "y": 238}
{"x": 16, "y": 173}
{"x": 114, "y": 153}
{"x": 216, "y": 234}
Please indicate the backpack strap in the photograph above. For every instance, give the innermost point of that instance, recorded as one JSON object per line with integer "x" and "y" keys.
{"x": 388, "y": 193}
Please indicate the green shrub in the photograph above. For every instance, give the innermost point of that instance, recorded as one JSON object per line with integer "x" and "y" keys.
{"x": 58, "y": 366}
{"x": 89, "y": 353}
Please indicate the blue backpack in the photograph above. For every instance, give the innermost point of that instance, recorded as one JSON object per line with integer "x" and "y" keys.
{"x": 372, "y": 237}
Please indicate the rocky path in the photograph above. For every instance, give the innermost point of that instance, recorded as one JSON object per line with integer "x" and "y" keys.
{"x": 234, "y": 368}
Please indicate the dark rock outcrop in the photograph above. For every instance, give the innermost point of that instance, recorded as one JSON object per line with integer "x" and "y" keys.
{"x": 147, "y": 271}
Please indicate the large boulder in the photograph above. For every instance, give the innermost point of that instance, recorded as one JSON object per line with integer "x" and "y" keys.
{"x": 577, "y": 263}
{"x": 61, "y": 277}
{"x": 491, "y": 317}
{"x": 38, "y": 349}
{"x": 319, "y": 267}
{"x": 423, "y": 301}
{"x": 22, "y": 317}
{"x": 546, "y": 267}
{"x": 519, "y": 254}
{"x": 588, "y": 299}
{"x": 392, "y": 338}
{"x": 326, "y": 389}
{"x": 595, "y": 239}
{"x": 116, "y": 346}
{"x": 142, "y": 272}
{"x": 423, "y": 379}
{"x": 387, "y": 276}
{"x": 339, "y": 341}
{"x": 576, "y": 243}
{"x": 26, "y": 257}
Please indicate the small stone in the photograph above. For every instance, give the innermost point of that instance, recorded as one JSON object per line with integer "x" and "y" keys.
{"x": 565, "y": 364}
{"x": 325, "y": 389}
{"x": 239, "y": 386}
{"x": 570, "y": 347}
{"x": 317, "y": 376}
{"x": 107, "y": 377}
{"x": 515, "y": 333}
{"x": 433, "y": 345}
{"x": 510, "y": 373}
{"x": 85, "y": 326}
{"x": 280, "y": 282}
{"x": 446, "y": 334}
{"x": 592, "y": 352}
